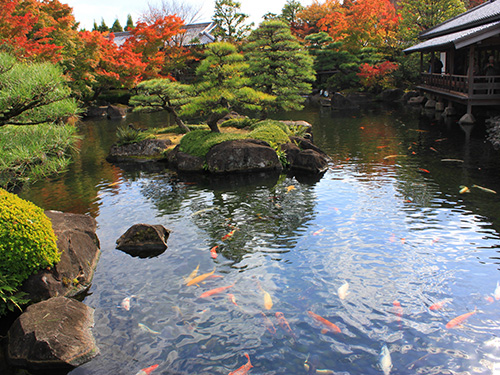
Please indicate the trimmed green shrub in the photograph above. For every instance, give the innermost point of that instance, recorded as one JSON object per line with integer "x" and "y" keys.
{"x": 27, "y": 243}
{"x": 199, "y": 142}
{"x": 239, "y": 123}
{"x": 270, "y": 132}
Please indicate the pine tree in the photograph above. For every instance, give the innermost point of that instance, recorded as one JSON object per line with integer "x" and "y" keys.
{"x": 116, "y": 28}
{"x": 103, "y": 27}
{"x": 279, "y": 65}
{"x": 223, "y": 86}
{"x": 130, "y": 24}
{"x": 230, "y": 23}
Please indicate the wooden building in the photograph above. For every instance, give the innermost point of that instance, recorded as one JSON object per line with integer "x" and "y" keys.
{"x": 464, "y": 59}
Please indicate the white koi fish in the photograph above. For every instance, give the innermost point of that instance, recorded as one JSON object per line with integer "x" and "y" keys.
{"x": 497, "y": 292}
{"x": 385, "y": 360}
{"x": 145, "y": 328}
{"x": 343, "y": 290}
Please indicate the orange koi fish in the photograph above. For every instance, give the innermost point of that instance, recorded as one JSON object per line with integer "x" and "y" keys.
{"x": 243, "y": 369}
{"x": 229, "y": 235}
{"x": 424, "y": 170}
{"x": 213, "y": 253}
{"x": 215, "y": 291}
{"x": 290, "y": 188}
{"x": 319, "y": 231}
{"x": 147, "y": 370}
{"x": 199, "y": 279}
{"x": 460, "y": 319}
{"x": 330, "y": 326}
{"x": 232, "y": 299}
{"x": 192, "y": 275}
{"x": 439, "y": 305}
{"x": 269, "y": 325}
{"x": 268, "y": 301}
{"x": 393, "y": 156}
{"x": 464, "y": 189}
{"x": 284, "y": 323}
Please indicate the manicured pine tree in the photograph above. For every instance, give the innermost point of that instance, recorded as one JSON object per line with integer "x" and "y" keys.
{"x": 223, "y": 86}
{"x": 103, "y": 27}
{"x": 161, "y": 94}
{"x": 279, "y": 65}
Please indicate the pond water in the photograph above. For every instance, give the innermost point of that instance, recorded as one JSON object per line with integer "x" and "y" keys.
{"x": 392, "y": 230}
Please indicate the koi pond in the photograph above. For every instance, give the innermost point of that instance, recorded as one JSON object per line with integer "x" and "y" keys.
{"x": 385, "y": 264}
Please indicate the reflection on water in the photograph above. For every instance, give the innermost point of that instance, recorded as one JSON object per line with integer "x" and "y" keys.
{"x": 387, "y": 219}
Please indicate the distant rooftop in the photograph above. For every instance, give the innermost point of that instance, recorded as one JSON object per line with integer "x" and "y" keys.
{"x": 195, "y": 34}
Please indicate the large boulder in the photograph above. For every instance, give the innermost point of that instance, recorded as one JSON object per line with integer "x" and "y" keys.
{"x": 79, "y": 246}
{"x": 242, "y": 155}
{"x": 184, "y": 162}
{"x": 392, "y": 95}
{"x": 53, "y": 334}
{"x": 339, "y": 101}
{"x": 310, "y": 161}
{"x": 116, "y": 112}
{"x": 145, "y": 150}
{"x": 144, "y": 240}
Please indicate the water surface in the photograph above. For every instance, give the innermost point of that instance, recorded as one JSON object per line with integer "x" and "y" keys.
{"x": 387, "y": 218}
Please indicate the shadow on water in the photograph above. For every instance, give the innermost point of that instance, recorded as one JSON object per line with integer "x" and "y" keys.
{"x": 387, "y": 219}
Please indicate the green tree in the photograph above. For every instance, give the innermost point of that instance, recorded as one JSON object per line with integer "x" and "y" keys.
{"x": 33, "y": 93}
{"x": 95, "y": 27}
{"x": 117, "y": 27}
{"x": 103, "y": 27}
{"x": 279, "y": 65}
{"x": 420, "y": 15}
{"x": 162, "y": 94}
{"x": 223, "y": 86}
{"x": 130, "y": 24}
{"x": 230, "y": 23}
{"x": 290, "y": 11}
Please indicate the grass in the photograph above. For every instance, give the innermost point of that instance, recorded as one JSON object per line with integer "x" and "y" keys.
{"x": 30, "y": 153}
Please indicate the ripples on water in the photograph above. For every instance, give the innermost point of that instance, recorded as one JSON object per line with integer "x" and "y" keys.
{"x": 388, "y": 229}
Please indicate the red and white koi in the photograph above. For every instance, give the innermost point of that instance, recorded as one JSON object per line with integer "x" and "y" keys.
{"x": 330, "y": 326}
{"x": 269, "y": 324}
{"x": 125, "y": 304}
{"x": 284, "y": 323}
{"x": 232, "y": 298}
{"x": 460, "y": 319}
{"x": 243, "y": 369}
{"x": 215, "y": 291}
{"x": 319, "y": 231}
{"x": 398, "y": 310}
{"x": 147, "y": 370}
{"x": 439, "y": 305}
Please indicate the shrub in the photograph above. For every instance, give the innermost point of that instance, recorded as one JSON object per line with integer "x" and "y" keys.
{"x": 239, "y": 123}
{"x": 270, "y": 132}
{"x": 127, "y": 135}
{"x": 199, "y": 142}
{"x": 27, "y": 244}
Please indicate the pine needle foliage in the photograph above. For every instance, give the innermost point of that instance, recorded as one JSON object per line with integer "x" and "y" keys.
{"x": 279, "y": 65}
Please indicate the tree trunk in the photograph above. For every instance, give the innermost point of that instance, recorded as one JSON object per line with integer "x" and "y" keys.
{"x": 179, "y": 122}
{"x": 212, "y": 122}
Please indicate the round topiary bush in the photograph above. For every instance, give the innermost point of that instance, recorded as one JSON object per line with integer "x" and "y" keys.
{"x": 27, "y": 240}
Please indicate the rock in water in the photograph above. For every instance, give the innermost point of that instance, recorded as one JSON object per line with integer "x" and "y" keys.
{"x": 53, "y": 334}
{"x": 144, "y": 240}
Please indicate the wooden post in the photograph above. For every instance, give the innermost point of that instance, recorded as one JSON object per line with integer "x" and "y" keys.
{"x": 468, "y": 118}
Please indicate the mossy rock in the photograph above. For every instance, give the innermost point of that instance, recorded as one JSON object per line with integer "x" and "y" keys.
{"x": 27, "y": 240}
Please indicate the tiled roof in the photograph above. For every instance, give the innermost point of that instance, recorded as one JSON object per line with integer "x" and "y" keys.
{"x": 196, "y": 33}
{"x": 458, "y": 39}
{"x": 480, "y": 15}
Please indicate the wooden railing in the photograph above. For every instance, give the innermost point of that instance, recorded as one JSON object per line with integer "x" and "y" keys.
{"x": 482, "y": 86}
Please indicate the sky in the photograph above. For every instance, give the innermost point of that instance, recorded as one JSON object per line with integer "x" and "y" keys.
{"x": 86, "y": 11}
